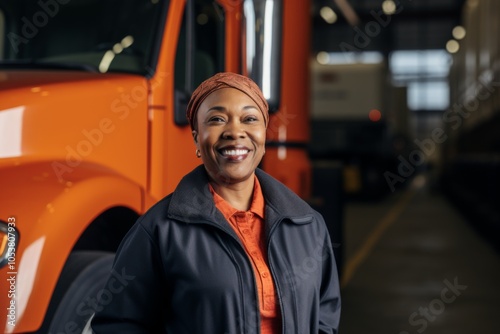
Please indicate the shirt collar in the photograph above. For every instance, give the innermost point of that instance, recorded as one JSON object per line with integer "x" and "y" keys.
{"x": 256, "y": 207}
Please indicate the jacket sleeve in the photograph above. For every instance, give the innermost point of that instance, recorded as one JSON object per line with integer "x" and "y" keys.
{"x": 329, "y": 317}
{"x": 133, "y": 299}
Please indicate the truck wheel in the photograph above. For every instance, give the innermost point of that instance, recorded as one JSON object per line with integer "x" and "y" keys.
{"x": 76, "y": 295}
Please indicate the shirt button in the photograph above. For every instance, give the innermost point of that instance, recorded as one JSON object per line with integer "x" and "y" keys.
{"x": 255, "y": 253}
{"x": 265, "y": 275}
{"x": 246, "y": 231}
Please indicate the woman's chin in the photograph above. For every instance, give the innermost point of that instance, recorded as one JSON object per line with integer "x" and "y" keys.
{"x": 232, "y": 174}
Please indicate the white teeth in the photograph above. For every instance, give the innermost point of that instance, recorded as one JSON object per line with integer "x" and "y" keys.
{"x": 234, "y": 152}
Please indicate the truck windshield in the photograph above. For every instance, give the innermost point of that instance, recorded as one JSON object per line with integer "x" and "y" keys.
{"x": 96, "y": 35}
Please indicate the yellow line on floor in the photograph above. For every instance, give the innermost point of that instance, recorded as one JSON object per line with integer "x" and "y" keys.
{"x": 359, "y": 257}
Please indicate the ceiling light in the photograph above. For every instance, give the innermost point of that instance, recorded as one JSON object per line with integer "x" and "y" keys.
{"x": 328, "y": 15}
{"x": 459, "y": 32}
{"x": 389, "y": 7}
{"x": 452, "y": 46}
{"x": 323, "y": 58}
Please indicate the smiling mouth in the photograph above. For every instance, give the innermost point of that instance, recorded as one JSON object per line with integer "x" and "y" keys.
{"x": 233, "y": 154}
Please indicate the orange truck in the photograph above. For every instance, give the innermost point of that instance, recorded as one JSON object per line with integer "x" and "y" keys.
{"x": 93, "y": 130}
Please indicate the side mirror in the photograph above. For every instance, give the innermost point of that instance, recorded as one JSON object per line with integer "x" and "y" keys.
{"x": 262, "y": 31}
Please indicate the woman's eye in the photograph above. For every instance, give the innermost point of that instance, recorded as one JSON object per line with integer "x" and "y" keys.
{"x": 216, "y": 119}
{"x": 251, "y": 119}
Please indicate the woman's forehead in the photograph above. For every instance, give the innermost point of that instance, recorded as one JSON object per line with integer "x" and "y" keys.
{"x": 228, "y": 96}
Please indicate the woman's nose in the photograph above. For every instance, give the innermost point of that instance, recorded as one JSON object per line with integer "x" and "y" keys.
{"x": 233, "y": 130}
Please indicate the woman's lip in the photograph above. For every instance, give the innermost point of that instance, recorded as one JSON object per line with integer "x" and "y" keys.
{"x": 233, "y": 153}
{"x": 233, "y": 147}
{"x": 238, "y": 151}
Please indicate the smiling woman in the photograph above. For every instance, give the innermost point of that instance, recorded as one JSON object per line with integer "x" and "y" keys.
{"x": 229, "y": 115}
{"x": 230, "y": 135}
{"x": 231, "y": 250}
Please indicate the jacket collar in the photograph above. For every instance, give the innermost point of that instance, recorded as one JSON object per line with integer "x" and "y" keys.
{"x": 192, "y": 201}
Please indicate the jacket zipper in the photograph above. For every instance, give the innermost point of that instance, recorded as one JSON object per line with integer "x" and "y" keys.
{"x": 249, "y": 262}
{"x": 271, "y": 268}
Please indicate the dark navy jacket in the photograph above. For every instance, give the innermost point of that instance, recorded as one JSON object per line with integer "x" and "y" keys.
{"x": 186, "y": 272}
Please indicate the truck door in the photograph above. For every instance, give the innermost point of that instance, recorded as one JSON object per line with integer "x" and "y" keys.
{"x": 193, "y": 50}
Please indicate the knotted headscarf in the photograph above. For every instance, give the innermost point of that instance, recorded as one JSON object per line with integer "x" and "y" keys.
{"x": 226, "y": 80}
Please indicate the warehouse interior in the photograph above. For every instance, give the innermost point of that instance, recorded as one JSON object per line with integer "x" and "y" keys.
{"x": 435, "y": 229}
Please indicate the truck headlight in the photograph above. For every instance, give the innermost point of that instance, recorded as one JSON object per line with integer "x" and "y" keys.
{"x": 9, "y": 239}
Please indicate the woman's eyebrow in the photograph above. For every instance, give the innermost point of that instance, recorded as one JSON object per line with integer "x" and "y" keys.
{"x": 216, "y": 108}
{"x": 221, "y": 108}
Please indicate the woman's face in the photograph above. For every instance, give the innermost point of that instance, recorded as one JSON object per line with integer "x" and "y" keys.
{"x": 230, "y": 135}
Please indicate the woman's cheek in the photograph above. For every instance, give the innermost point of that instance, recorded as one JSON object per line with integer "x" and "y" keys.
{"x": 260, "y": 138}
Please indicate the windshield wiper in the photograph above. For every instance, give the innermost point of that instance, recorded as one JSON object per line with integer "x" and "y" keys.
{"x": 37, "y": 64}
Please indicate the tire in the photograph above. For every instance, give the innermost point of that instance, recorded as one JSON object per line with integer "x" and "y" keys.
{"x": 75, "y": 298}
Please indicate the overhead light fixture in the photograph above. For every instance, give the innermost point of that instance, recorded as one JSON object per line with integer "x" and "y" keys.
{"x": 389, "y": 7}
{"x": 323, "y": 58}
{"x": 452, "y": 46}
{"x": 328, "y": 14}
{"x": 459, "y": 32}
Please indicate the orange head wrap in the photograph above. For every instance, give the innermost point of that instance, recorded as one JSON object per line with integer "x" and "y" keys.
{"x": 226, "y": 80}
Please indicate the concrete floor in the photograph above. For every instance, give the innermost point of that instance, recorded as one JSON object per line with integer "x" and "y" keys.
{"x": 414, "y": 265}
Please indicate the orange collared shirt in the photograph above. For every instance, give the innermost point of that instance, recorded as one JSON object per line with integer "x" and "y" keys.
{"x": 249, "y": 226}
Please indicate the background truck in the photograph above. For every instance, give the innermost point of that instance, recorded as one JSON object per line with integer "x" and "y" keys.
{"x": 360, "y": 120}
{"x": 93, "y": 130}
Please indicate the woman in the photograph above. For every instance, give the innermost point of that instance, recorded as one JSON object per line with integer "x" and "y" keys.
{"x": 231, "y": 250}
